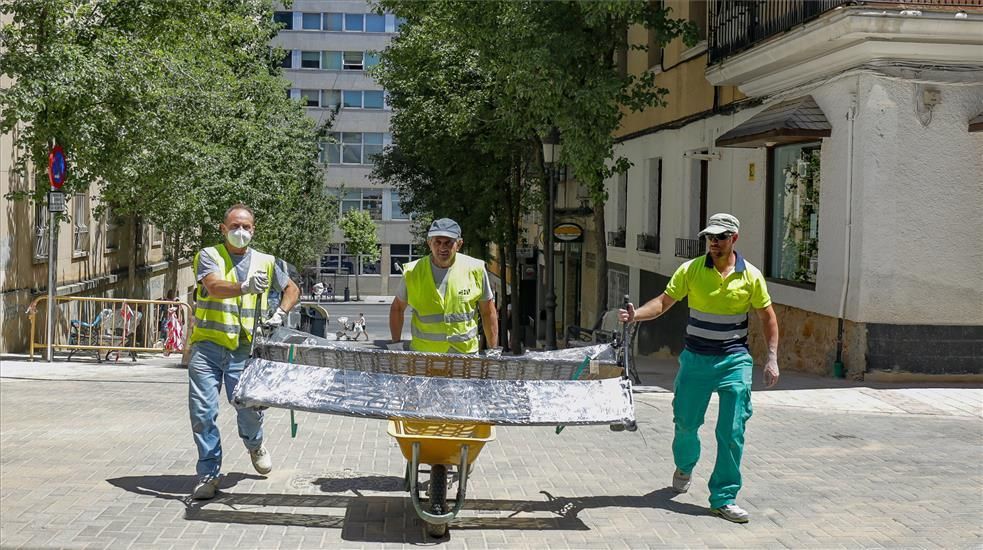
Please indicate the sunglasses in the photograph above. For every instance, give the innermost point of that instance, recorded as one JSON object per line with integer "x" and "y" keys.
{"x": 720, "y": 237}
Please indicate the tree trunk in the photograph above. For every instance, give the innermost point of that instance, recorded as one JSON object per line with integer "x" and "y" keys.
{"x": 600, "y": 234}
{"x": 358, "y": 296}
{"x": 131, "y": 268}
{"x": 514, "y": 205}
{"x": 503, "y": 306}
{"x": 172, "y": 267}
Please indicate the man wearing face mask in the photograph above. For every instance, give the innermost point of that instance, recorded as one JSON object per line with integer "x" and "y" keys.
{"x": 233, "y": 286}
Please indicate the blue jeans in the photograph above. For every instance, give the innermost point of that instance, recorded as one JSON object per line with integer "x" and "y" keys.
{"x": 698, "y": 378}
{"x": 211, "y": 365}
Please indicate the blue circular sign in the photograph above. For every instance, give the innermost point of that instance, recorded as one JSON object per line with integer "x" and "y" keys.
{"x": 57, "y": 172}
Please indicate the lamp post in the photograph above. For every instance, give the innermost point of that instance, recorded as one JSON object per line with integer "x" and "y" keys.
{"x": 551, "y": 153}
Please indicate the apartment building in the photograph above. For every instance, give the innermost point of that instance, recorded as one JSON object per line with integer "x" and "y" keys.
{"x": 92, "y": 253}
{"x": 329, "y": 47}
{"x": 846, "y": 137}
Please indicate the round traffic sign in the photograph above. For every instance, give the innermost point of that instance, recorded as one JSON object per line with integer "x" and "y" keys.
{"x": 57, "y": 172}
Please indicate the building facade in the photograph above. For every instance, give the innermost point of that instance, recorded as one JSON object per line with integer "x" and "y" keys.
{"x": 329, "y": 47}
{"x": 843, "y": 138}
{"x": 92, "y": 253}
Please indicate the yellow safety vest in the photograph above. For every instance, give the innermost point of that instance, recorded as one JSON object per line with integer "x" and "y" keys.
{"x": 449, "y": 323}
{"x": 221, "y": 320}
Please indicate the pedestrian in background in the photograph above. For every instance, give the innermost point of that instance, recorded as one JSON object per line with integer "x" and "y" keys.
{"x": 722, "y": 287}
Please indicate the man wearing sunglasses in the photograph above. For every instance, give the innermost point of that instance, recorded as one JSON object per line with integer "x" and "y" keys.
{"x": 722, "y": 287}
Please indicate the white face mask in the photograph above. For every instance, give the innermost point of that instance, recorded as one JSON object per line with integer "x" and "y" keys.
{"x": 239, "y": 238}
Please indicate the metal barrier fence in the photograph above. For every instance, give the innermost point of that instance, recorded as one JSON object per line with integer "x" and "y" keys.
{"x": 110, "y": 325}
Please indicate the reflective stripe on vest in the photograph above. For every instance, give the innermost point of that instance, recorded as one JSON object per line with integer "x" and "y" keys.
{"x": 222, "y": 320}
{"x": 446, "y": 323}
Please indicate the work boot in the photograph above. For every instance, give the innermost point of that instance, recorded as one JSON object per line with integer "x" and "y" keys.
{"x": 680, "y": 481}
{"x": 206, "y": 487}
{"x": 731, "y": 512}
{"x": 261, "y": 460}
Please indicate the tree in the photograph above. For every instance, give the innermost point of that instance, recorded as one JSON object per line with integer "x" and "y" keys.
{"x": 177, "y": 109}
{"x": 361, "y": 240}
{"x": 474, "y": 85}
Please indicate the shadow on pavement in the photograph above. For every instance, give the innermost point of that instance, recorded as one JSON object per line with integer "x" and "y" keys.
{"x": 383, "y": 518}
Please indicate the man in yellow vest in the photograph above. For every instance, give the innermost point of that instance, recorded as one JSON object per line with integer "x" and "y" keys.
{"x": 233, "y": 286}
{"x": 446, "y": 291}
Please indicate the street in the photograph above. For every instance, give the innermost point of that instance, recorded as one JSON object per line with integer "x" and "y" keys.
{"x": 376, "y": 318}
{"x": 101, "y": 456}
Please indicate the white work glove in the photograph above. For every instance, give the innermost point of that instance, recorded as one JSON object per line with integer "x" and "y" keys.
{"x": 276, "y": 318}
{"x": 256, "y": 284}
{"x": 771, "y": 368}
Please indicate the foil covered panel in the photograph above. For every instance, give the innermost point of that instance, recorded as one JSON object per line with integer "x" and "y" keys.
{"x": 361, "y": 393}
{"x": 550, "y": 365}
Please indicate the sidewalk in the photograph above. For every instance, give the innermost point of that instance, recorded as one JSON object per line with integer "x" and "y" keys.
{"x": 101, "y": 456}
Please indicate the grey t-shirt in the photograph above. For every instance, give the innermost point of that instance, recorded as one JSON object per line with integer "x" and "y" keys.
{"x": 440, "y": 281}
{"x": 207, "y": 265}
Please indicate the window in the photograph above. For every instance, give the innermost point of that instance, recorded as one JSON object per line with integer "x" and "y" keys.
{"x": 374, "y": 99}
{"x": 353, "y": 99}
{"x": 653, "y": 233}
{"x": 288, "y": 60}
{"x": 367, "y": 200}
{"x": 352, "y": 147}
{"x": 354, "y": 22}
{"x": 80, "y": 224}
{"x": 330, "y": 98}
{"x": 400, "y": 254}
{"x": 622, "y": 203}
{"x": 156, "y": 237}
{"x": 373, "y": 146}
{"x": 698, "y": 15}
{"x": 40, "y": 231}
{"x": 331, "y": 61}
{"x": 113, "y": 224}
{"x": 353, "y": 61}
{"x": 399, "y": 22}
{"x": 336, "y": 260}
{"x": 375, "y": 23}
{"x": 793, "y": 211}
{"x": 654, "y": 49}
{"x": 312, "y": 22}
{"x": 333, "y": 22}
{"x": 371, "y": 59}
{"x": 310, "y": 60}
{"x": 284, "y": 18}
{"x": 371, "y": 268}
{"x": 395, "y": 207}
{"x": 311, "y": 98}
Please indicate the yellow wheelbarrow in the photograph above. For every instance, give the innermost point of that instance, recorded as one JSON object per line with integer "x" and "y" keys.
{"x": 441, "y": 446}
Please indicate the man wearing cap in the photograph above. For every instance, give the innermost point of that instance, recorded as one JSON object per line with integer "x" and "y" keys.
{"x": 722, "y": 287}
{"x": 445, "y": 290}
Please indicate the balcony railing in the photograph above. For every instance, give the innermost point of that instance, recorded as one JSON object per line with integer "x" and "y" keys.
{"x": 616, "y": 238}
{"x": 737, "y": 25}
{"x": 648, "y": 243}
{"x": 690, "y": 248}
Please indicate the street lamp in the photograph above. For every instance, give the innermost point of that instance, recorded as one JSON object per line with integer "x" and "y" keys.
{"x": 551, "y": 154}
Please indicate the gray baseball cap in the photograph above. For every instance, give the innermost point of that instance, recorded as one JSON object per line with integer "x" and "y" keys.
{"x": 444, "y": 227}
{"x": 721, "y": 223}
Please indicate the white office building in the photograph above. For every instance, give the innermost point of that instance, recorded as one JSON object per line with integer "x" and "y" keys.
{"x": 330, "y": 45}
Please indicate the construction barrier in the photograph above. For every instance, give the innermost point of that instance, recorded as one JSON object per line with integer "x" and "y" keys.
{"x": 111, "y": 325}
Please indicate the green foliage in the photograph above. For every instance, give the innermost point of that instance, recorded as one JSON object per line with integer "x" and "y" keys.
{"x": 177, "y": 109}
{"x": 361, "y": 236}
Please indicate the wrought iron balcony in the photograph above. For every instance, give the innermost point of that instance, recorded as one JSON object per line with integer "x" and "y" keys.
{"x": 737, "y": 25}
{"x": 690, "y": 248}
{"x": 648, "y": 243}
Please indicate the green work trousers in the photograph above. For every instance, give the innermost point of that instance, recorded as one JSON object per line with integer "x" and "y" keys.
{"x": 699, "y": 376}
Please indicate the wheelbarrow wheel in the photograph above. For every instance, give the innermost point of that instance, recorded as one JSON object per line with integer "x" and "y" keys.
{"x": 438, "y": 499}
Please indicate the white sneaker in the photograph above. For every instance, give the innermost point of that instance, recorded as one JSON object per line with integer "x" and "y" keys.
{"x": 731, "y": 512}
{"x": 262, "y": 461}
{"x": 206, "y": 487}
{"x": 680, "y": 481}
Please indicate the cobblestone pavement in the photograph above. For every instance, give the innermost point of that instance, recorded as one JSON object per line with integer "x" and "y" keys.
{"x": 101, "y": 456}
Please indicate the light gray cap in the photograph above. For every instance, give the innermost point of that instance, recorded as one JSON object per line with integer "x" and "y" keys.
{"x": 444, "y": 227}
{"x": 721, "y": 223}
